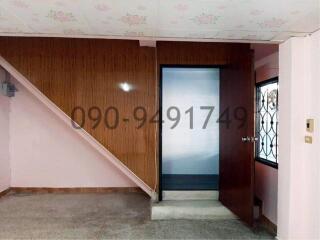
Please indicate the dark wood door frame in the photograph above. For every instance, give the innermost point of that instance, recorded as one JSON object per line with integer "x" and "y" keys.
{"x": 232, "y": 72}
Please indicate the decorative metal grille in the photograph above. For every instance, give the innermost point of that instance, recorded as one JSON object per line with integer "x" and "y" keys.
{"x": 267, "y": 122}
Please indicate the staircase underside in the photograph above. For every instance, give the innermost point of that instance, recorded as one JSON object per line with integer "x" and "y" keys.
{"x": 82, "y": 133}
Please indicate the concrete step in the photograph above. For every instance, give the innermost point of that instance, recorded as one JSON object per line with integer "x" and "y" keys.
{"x": 190, "y": 195}
{"x": 190, "y": 209}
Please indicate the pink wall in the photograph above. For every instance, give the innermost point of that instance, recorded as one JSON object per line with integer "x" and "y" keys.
{"x": 299, "y": 167}
{"x": 47, "y": 153}
{"x": 5, "y": 172}
{"x": 266, "y": 177}
{"x": 266, "y": 189}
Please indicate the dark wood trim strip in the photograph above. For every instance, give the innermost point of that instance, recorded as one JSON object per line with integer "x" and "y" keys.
{"x": 267, "y": 224}
{"x": 75, "y": 190}
{"x": 5, "y": 192}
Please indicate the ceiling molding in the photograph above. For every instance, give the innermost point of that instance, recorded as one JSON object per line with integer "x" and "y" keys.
{"x": 153, "y": 39}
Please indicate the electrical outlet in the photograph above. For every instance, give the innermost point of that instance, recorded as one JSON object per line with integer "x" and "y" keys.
{"x": 308, "y": 139}
{"x": 8, "y": 89}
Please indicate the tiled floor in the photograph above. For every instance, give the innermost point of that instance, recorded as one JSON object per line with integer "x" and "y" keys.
{"x": 105, "y": 216}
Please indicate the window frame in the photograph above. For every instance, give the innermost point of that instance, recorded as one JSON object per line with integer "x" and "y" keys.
{"x": 259, "y": 85}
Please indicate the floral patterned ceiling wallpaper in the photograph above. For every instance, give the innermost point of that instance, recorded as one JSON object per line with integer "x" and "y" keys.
{"x": 267, "y": 20}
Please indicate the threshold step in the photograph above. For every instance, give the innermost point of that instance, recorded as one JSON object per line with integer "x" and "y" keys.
{"x": 190, "y": 209}
{"x": 190, "y": 195}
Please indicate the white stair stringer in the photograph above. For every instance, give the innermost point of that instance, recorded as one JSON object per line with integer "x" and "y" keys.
{"x": 85, "y": 135}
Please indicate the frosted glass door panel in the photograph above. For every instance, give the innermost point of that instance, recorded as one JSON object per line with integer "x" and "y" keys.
{"x": 188, "y": 151}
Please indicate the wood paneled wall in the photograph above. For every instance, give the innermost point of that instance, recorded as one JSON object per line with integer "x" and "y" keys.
{"x": 190, "y": 53}
{"x": 87, "y": 73}
{"x": 268, "y": 70}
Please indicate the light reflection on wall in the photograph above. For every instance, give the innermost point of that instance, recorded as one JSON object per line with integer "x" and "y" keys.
{"x": 185, "y": 150}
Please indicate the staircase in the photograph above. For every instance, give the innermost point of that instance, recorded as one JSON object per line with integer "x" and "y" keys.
{"x": 82, "y": 133}
{"x": 190, "y": 205}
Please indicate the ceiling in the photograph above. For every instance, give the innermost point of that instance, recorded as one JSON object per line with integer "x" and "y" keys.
{"x": 198, "y": 20}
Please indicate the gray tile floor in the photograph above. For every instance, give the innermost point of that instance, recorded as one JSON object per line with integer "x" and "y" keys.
{"x": 105, "y": 216}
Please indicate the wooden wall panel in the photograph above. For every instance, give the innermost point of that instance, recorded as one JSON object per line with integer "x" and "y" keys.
{"x": 236, "y": 90}
{"x": 269, "y": 70}
{"x": 191, "y": 53}
{"x": 86, "y": 73}
{"x": 236, "y": 157}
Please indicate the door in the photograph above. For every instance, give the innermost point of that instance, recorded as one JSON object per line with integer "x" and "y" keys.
{"x": 236, "y": 151}
{"x": 190, "y": 134}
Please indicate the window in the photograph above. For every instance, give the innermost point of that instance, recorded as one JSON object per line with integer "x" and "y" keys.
{"x": 267, "y": 122}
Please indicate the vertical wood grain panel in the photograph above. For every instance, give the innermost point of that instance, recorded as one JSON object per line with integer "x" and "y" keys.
{"x": 266, "y": 72}
{"x": 191, "y": 53}
{"x": 236, "y": 90}
{"x": 236, "y": 157}
{"x": 87, "y": 73}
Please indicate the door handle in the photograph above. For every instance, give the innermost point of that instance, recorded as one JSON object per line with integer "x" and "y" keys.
{"x": 249, "y": 139}
{"x": 245, "y": 139}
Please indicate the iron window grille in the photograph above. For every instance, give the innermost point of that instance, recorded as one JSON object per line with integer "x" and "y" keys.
{"x": 267, "y": 122}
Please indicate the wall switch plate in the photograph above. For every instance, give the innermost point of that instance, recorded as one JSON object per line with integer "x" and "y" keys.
{"x": 310, "y": 125}
{"x": 7, "y": 89}
{"x": 308, "y": 139}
